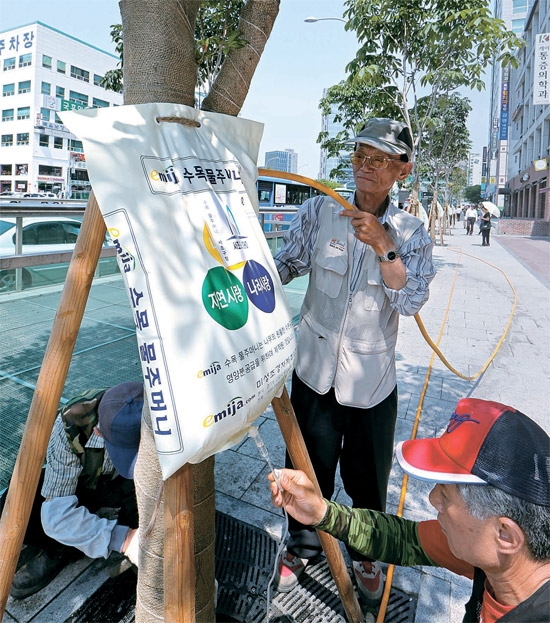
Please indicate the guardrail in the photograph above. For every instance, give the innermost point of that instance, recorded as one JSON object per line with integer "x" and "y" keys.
{"x": 273, "y": 228}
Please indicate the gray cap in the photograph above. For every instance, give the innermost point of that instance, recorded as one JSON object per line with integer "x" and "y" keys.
{"x": 388, "y": 135}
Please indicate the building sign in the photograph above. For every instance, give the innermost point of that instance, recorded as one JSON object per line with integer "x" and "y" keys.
{"x": 280, "y": 193}
{"x": 504, "y": 103}
{"x": 541, "y": 73}
{"x": 49, "y": 178}
{"x": 70, "y": 105}
{"x": 49, "y": 102}
{"x": 48, "y": 127}
{"x": 17, "y": 42}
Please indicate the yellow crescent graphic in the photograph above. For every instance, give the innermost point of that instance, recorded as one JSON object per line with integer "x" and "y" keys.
{"x": 209, "y": 244}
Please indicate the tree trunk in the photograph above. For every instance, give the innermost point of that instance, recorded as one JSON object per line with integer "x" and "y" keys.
{"x": 160, "y": 66}
{"x": 159, "y": 51}
{"x": 230, "y": 88}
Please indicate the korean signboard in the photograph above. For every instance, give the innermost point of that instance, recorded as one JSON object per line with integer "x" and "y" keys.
{"x": 541, "y": 70}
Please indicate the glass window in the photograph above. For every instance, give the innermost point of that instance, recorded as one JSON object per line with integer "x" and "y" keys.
{"x": 76, "y": 146}
{"x": 5, "y": 169}
{"x": 57, "y": 142}
{"x": 45, "y": 114}
{"x": 7, "y": 114}
{"x": 9, "y": 63}
{"x": 74, "y": 96}
{"x": 97, "y": 80}
{"x": 24, "y": 112}
{"x": 46, "y": 61}
{"x": 44, "y": 140}
{"x": 21, "y": 169}
{"x": 61, "y": 67}
{"x": 24, "y": 87}
{"x": 44, "y": 169}
{"x": 8, "y": 89}
{"x": 57, "y": 119}
{"x": 23, "y": 138}
{"x": 25, "y": 60}
{"x": 46, "y": 88}
{"x": 97, "y": 103}
{"x": 80, "y": 74}
{"x": 7, "y": 140}
{"x": 519, "y": 6}
{"x": 517, "y": 26}
{"x": 60, "y": 92}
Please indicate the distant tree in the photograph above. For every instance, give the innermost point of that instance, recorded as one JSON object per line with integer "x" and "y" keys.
{"x": 472, "y": 194}
{"x": 330, "y": 183}
{"x": 410, "y": 47}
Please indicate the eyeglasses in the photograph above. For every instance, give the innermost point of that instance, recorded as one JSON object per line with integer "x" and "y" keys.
{"x": 376, "y": 162}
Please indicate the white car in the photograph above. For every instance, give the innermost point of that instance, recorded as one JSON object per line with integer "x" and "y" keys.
{"x": 40, "y": 235}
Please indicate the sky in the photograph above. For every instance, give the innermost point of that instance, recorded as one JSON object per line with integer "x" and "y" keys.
{"x": 300, "y": 60}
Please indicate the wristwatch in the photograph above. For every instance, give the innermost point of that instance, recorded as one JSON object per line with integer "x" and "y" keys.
{"x": 390, "y": 256}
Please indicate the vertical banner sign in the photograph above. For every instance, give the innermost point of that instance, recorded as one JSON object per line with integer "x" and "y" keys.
{"x": 541, "y": 73}
{"x": 504, "y": 103}
{"x": 214, "y": 330}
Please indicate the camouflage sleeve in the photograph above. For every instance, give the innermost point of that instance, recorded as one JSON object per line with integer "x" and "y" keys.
{"x": 379, "y": 536}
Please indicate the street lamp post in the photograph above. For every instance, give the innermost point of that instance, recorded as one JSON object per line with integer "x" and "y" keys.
{"x": 311, "y": 20}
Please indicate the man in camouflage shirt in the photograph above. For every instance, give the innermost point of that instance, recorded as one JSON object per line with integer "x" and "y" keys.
{"x": 492, "y": 469}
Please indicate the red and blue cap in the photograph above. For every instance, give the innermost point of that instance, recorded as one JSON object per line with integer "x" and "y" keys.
{"x": 484, "y": 443}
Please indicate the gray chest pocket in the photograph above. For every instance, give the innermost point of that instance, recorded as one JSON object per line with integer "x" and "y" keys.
{"x": 330, "y": 273}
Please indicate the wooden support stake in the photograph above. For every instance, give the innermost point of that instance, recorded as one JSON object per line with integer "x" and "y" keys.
{"x": 47, "y": 394}
{"x": 179, "y": 551}
{"x": 300, "y": 459}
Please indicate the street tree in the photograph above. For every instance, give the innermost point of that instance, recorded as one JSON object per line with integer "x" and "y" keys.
{"x": 413, "y": 49}
{"x": 446, "y": 144}
{"x": 472, "y": 194}
{"x": 164, "y": 61}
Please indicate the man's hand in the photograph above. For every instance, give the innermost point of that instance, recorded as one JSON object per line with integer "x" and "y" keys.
{"x": 299, "y": 496}
{"x": 369, "y": 230}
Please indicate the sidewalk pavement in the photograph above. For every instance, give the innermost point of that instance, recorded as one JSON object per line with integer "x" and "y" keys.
{"x": 471, "y": 305}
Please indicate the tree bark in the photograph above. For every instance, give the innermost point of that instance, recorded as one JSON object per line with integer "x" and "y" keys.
{"x": 159, "y": 50}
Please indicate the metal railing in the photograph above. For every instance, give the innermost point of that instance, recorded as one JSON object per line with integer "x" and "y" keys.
{"x": 270, "y": 219}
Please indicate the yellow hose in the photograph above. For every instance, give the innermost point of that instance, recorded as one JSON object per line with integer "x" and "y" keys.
{"x": 434, "y": 346}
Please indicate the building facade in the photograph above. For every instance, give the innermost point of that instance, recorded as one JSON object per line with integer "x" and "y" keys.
{"x": 282, "y": 160}
{"x": 45, "y": 71}
{"x": 527, "y": 187}
{"x": 513, "y": 13}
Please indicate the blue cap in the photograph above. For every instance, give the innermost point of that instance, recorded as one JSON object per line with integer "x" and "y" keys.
{"x": 120, "y": 424}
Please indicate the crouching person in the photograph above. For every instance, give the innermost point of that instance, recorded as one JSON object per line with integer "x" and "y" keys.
{"x": 89, "y": 466}
{"x": 491, "y": 466}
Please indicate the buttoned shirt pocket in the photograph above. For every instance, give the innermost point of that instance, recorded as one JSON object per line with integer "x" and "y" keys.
{"x": 330, "y": 273}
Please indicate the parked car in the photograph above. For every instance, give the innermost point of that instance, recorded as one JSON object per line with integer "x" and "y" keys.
{"x": 45, "y": 197}
{"x": 11, "y": 196}
{"x": 40, "y": 235}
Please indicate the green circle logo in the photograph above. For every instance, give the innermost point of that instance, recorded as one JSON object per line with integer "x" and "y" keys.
{"x": 224, "y": 298}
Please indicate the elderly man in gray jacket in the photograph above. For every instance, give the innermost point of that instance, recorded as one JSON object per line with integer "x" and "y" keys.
{"x": 366, "y": 266}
